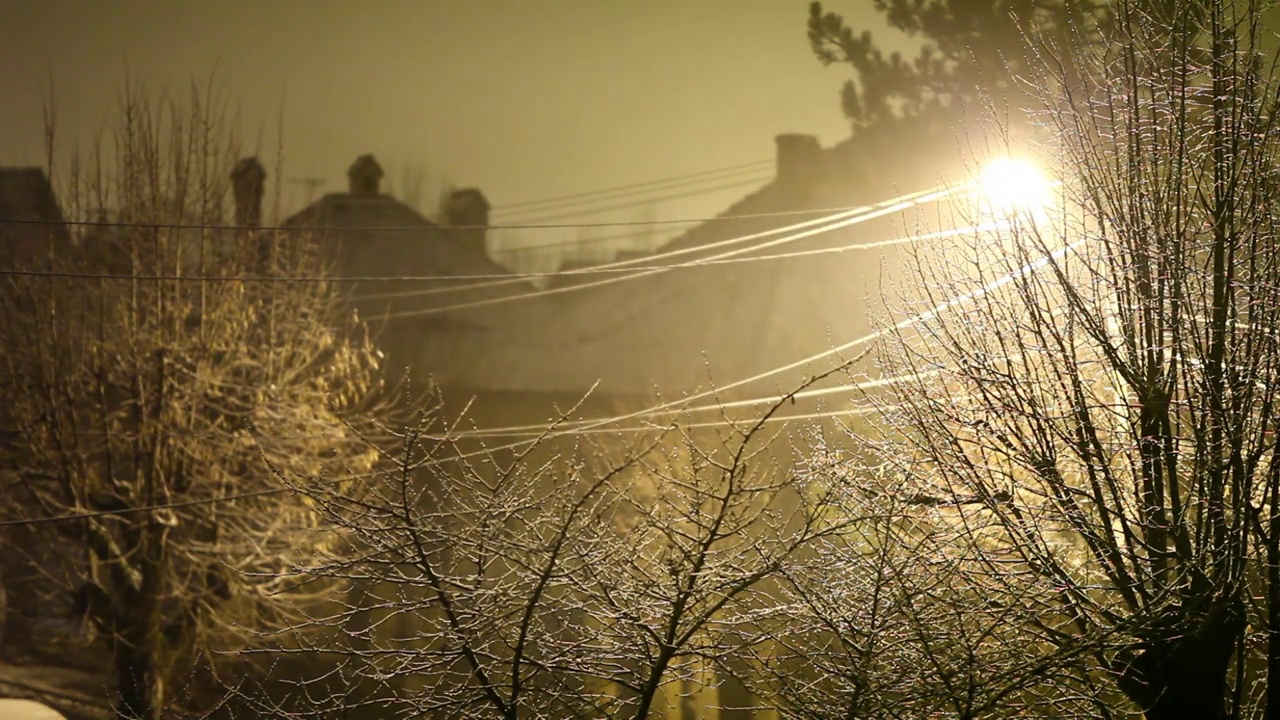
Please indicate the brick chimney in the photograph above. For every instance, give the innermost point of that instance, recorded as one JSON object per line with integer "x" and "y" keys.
{"x": 799, "y": 160}
{"x": 248, "y": 178}
{"x": 365, "y": 176}
{"x": 467, "y": 210}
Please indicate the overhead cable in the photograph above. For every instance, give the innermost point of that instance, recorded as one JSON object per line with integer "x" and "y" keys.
{"x": 587, "y": 429}
{"x": 414, "y": 228}
{"x": 848, "y": 219}
{"x": 555, "y": 200}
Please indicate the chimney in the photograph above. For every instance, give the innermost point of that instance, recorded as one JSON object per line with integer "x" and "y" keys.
{"x": 799, "y": 159}
{"x": 364, "y": 176}
{"x": 468, "y": 211}
{"x": 248, "y": 178}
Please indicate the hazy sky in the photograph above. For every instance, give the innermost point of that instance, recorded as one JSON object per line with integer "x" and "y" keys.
{"x": 523, "y": 98}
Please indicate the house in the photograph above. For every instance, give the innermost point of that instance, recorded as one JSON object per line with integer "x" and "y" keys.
{"x": 40, "y": 635}
{"x": 31, "y": 221}
{"x": 673, "y": 331}
{"x": 373, "y": 236}
{"x": 512, "y": 355}
{"x": 32, "y": 233}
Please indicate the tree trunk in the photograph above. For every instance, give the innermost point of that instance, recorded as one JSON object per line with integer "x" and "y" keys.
{"x": 1182, "y": 673}
{"x": 138, "y": 637}
{"x": 135, "y": 681}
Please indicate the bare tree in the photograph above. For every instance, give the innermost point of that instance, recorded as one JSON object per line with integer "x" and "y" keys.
{"x": 890, "y": 618}
{"x": 1104, "y": 426}
{"x": 159, "y": 375}
{"x": 568, "y": 579}
{"x": 458, "y": 570}
{"x": 709, "y": 529}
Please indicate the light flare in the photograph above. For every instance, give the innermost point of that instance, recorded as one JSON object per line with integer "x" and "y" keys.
{"x": 1012, "y": 186}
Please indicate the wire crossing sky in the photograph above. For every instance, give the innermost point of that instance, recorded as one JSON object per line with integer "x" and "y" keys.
{"x": 597, "y": 426}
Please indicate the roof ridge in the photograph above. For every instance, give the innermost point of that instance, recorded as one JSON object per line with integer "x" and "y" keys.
{"x": 726, "y": 214}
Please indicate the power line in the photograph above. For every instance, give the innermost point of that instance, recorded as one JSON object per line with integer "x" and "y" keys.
{"x": 121, "y": 224}
{"x": 891, "y": 205}
{"x": 566, "y": 426}
{"x": 118, "y": 277}
{"x": 730, "y": 422}
{"x": 916, "y": 196}
{"x": 645, "y": 196}
{"x": 500, "y": 278}
{"x": 639, "y": 199}
{"x": 511, "y": 430}
{"x": 267, "y": 492}
{"x": 674, "y": 407}
{"x": 875, "y": 244}
{"x": 842, "y": 220}
{"x": 837, "y": 351}
{"x": 833, "y": 214}
{"x": 835, "y": 250}
{"x": 546, "y": 431}
{"x": 631, "y": 186}
{"x": 646, "y": 201}
{"x": 579, "y": 242}
{"x": 843, "y": 223}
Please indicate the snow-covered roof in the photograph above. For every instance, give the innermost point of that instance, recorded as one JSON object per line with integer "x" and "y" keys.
{"x": 28, "y": 710}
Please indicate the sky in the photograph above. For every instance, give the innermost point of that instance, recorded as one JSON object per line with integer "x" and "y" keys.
{"x": 524, "y": 99}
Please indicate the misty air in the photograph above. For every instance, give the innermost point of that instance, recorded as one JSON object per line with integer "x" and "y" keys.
{"x": 717, "y": 359}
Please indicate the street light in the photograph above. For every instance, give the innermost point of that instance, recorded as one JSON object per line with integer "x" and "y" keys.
{"x": 1013, "y": 186}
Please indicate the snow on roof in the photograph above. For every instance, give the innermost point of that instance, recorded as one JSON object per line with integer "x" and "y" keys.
{"x": 28, "y": 710}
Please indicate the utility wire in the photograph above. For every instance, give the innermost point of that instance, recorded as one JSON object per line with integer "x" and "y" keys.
{"x": 839, "y": 249}
{"x": 624, "y": 200}
{"x": 555, "y": 200}
{"x": 839, "y": 350}
{"x": 567, "y": 425}
{"x": 675, "y": 407}
{"x": 122, "y": 224}
{"x": 511, "y": 430}
{"x": 505, "y": 277}
{"x": 581, "y": 242}
{"x": 735, "y": 185}
{"x": 678, "y": 406}
{"x": 726, "y": 422}
{"x": 737, "y": 240}
{"x": 836, "y": 351}
{"x": 266, "y": 492}
{"x": 602, "y": 269}
{"x": 497, "y": 278}
{"x": 847, "y": 221}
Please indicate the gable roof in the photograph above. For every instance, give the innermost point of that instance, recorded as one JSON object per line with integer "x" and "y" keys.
{"x": 379, "y": 236}
{"x": 26, "y": 195}
{"x": 375, "y": 235}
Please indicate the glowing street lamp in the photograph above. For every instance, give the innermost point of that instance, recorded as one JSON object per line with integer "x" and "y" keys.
{"x": 1013, "y": 186}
